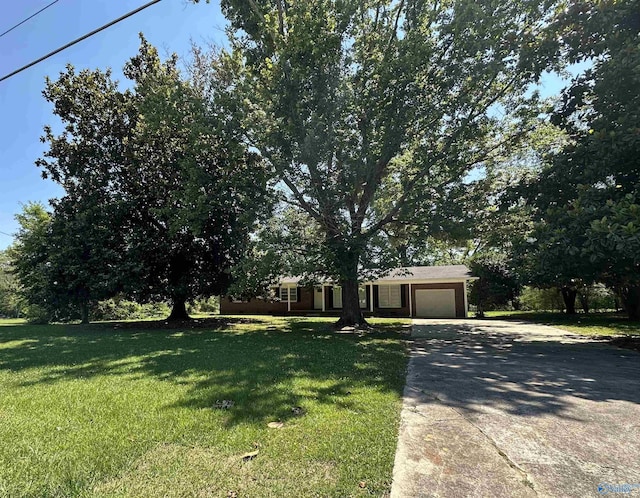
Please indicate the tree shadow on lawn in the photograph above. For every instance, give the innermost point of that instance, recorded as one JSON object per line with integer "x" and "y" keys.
{"x": 480, "y": 368}
{"x": 266, "y": 369}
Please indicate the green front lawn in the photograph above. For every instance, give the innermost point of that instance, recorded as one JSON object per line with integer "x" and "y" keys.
{"x": 129, "y": 409}
{"x": 590, "y": 324}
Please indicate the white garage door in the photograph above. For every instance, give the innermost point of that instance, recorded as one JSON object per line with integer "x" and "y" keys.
{"x": 436, "y": 303}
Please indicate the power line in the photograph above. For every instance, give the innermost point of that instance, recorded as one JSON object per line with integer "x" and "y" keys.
{"x": 77, "y": 40}
{"x": 5, "y": 233}
{"x": 30, "y": 17}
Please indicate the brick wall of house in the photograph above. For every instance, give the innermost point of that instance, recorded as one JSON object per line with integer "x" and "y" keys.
{"x": 257, "y": 306}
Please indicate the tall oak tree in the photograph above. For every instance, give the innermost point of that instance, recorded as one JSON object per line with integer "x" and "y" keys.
{"x": 373, "y": 112}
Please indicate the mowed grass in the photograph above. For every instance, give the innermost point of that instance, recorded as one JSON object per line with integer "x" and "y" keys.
{"x": 129, "y": 409}
{"x": 592, "y": 324}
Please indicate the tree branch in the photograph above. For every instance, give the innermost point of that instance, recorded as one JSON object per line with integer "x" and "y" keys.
{"x": 281, "y": 18}
{"x": 409, "y": 187}
{"x": 300, "y": 198}
{"x": 476, "y": 110}
{"x": 370, "y": 187}
{"x": 394, "y": 32}
{"x": 256, "y": 10}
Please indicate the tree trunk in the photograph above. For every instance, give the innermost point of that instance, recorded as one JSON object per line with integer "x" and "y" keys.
{"x": 584, "y": 301}
{"x": 346, "y": 261}
{"x": 515, "y": 304}
{"x": 351, "y": 315}
{"x": 179, "y": 310}
{"x": 569, "y": 298}
{"x": 480, "y": 293}
{"x": 84, "y": 312}
{"x": 631, "y": 297}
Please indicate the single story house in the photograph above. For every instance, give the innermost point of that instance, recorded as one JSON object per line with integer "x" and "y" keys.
{"x": 415, "y": 291}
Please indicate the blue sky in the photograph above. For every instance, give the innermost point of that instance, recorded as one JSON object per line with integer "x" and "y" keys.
{"x": 169, "y": 25}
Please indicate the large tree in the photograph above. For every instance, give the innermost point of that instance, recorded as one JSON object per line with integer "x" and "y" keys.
{"x": 588, "y": 193}
{"x": 30, "y": 258}
{"x": 64, "y": 262}
{"x": 373, "y": 112}
{"x": 550, "y": 257}
{"x": 160, "y": 193}
{"x": 497, "y": 284}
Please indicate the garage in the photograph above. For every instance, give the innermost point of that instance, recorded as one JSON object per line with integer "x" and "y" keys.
{"x": 435, "y": 303}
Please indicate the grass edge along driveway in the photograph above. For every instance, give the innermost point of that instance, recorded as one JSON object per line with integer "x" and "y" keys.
{"x": 591, "y": 324}
{"x": 130, "y": 409}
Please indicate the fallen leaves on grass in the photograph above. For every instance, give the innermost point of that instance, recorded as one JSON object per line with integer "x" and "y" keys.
{"x": 225, "y": 404}
{"x": 250, "y": 456}
{"x": 298, "y": 411}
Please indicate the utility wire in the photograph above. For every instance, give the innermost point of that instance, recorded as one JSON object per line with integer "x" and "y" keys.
{"x": 77, "y": 40}
{"x": 30, "y": 17}
{"x": 5, "y": 233}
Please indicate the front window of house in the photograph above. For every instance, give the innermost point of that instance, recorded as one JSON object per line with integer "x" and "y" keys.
{"x": 389, "y": 296}
{"x": 288, "y": 292}
{"x": 362, "y": 296}
{"x": 337, "y": 297}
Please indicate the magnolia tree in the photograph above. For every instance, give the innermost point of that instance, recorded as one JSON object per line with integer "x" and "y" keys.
{"x": 160, "y": 192}
{"x": 587, "y": 195}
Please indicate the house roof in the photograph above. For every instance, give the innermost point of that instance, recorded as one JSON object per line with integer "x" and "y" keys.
{"x": 412, "y": 273}
{"x": 429, "y": 273}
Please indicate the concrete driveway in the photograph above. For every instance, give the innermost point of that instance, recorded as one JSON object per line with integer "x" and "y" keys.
{"x": 497, "y": 408}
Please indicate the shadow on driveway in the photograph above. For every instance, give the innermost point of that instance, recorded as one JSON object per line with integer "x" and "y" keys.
{"x": 515, "y": 409}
